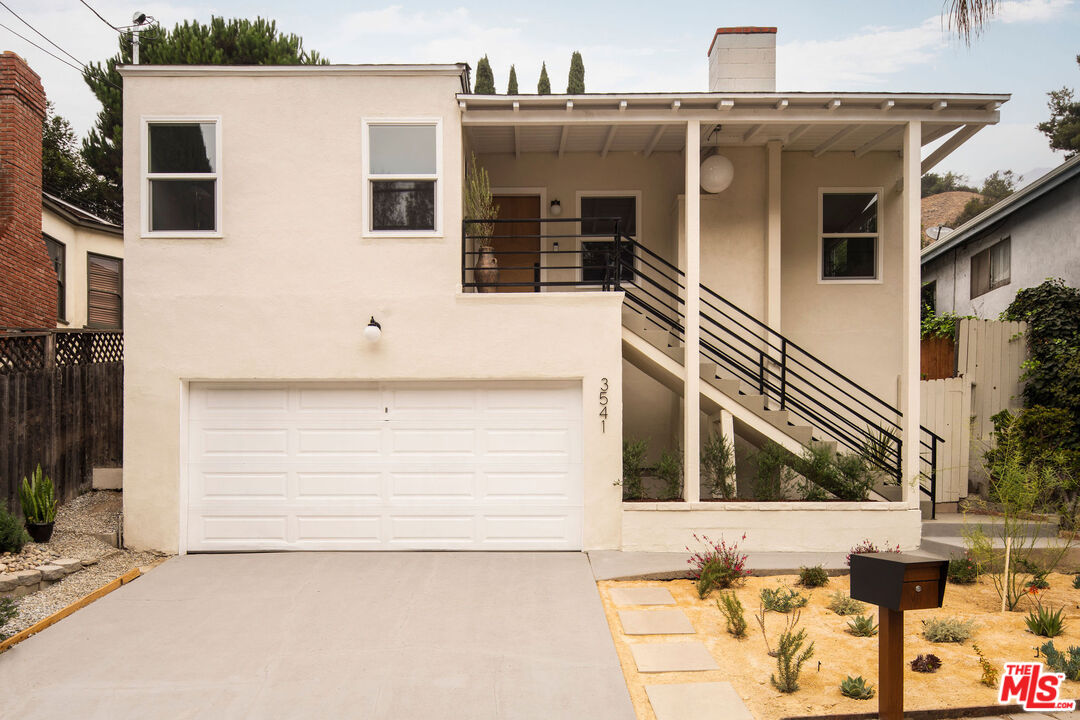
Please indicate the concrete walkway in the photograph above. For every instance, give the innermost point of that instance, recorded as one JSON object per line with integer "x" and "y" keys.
{"x": 331, "y": 635}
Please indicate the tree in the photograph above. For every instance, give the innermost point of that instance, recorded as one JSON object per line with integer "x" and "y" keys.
{"x": 65, "y": 174}
{"x": 1063, "y": 127}
{"x": 997, "y": 186}
{"x": 485, "y": 79}
{"x": 933, "y": 184}
{"x": 221, "y": 42}
{"x": 544, "y": 86}
{"x": 575, "y": 83}
{"x": 512, "y": 86}
{"x": 969, "y": 17}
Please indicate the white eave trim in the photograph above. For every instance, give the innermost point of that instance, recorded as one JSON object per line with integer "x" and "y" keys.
{"x": 928, "y": 101}
{"x": 454, "y": 70}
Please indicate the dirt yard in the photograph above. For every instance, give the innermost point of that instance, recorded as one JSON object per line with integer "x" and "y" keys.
{"x": 1001, "y": 636}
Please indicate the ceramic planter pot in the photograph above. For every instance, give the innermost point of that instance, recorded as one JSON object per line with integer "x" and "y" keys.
{"x": 487, "y": 269}
{"x": 40, "y": 532}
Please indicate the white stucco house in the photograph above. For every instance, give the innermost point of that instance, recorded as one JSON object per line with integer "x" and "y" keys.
{"x": 272, "y": 214}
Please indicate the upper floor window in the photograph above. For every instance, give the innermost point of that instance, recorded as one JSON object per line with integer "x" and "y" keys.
{"x": 182, "y": 168}
{"x": 849, "y": 238}
{"x": 598, "y": 213}
{"x": 991, "y": 268}
{"x": 402, "y": 177}
{"x": 57, "y": 253}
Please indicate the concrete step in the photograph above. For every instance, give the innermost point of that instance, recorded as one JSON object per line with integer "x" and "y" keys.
{"x": 661, "y": 338}
{"x": 954, "y": 545}
{"x": 892, "y": 493}
{"x": 955, "y": 525}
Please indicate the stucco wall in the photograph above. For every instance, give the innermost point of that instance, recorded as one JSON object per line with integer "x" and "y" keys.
{"x": 77, "y": 242}
{"x": 1045, "y": 242}
{"x": 288, "y": 289}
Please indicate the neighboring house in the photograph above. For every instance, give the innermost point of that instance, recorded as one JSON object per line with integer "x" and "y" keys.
{"x": 1032, "y": 235}
{"x": 274, "y": 214}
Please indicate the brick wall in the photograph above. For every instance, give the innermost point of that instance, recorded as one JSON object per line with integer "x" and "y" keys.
{"x": 27, "y": 278}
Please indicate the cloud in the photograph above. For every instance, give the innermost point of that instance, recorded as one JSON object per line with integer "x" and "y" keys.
{"x": 1013, "y": 11}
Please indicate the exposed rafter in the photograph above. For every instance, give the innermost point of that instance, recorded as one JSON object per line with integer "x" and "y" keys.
{"x": 796, "y": 134}
{"x": 565, "y": 133}
{"x": 931, "y": 135}
{"x": 833, "y": 105}
{"x": 836, "y": 138}
{"x": 888, "y": 105}
{"x": 676, "y": 104}
{"x": 517, "y": 143}
{"x": 725, "y": 105}
{"x": 608, "y": 140}
{"x": 781, "y": 104}
{"x": 958, "y": 138}
{"x": 752, "y": 132}
{"x": 888, "y": 134}
{"x": 654, "y": 140}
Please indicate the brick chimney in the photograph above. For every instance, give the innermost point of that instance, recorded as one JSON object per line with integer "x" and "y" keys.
{"x": 743, "y": 59}
{"x": 27, "y": 277}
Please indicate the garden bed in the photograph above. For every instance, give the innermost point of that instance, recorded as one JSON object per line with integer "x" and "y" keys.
{"x": 1002, "y": 637}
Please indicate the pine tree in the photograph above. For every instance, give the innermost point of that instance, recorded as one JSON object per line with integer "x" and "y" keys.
{"x": 544, "y": 86}
{"x": 221, "y": 42}
{"x": 575, "y": 83}
{"x": 66, "y": 175}
{"x": 485, "y": 79}
{"x": 512, "y": 86}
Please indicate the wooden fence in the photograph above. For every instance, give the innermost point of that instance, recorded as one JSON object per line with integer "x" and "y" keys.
{"x": 937, "y": 358}
{"x": 61, "y": 405}
{"x": 945, "y": 408}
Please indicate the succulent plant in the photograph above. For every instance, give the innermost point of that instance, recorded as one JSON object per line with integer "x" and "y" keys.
{"x": 862, "y": 626}
{"x": 927, "y": 663}
{"x": 856, "y": 688}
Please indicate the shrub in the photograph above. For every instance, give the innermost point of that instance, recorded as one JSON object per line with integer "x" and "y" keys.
{"x": 1076, "y": 582}
{"x": 963, "y": 570}
{"x": 855, "y": 477}
{"x": 790, "y": 657}
{"x": 12, "y": 533}
{"x": 1067, "y": 662}
{"x": 842, "y": 604}
{"x": 856, "y": 688}
{"x": 1041, "y": 621}
{"x": 989, "y": 671}
{"x": 813, "y": 577}
{"x": 926, "y": 663}
{"x": 867, "y": 547}
{"x": 862, "y": 626}
{"x": 722, "y": 564}
{"x": 947, "y": 629}
{"x": 782, "y": 600}
{"x": 38, "y": 498}
{"x": 773, "y": 476}
{"x": 670, "y": 472}
{"x": 732, "y": 610}
{"x": 8, "y": 612}
{"x": 633, "y": 453}
{"x": 718, "y": 466}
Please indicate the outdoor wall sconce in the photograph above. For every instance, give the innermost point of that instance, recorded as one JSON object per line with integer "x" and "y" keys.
{"x": 556, "y": 208}
{"x": 373, "y": 331}
{"x": 717, "y": 172}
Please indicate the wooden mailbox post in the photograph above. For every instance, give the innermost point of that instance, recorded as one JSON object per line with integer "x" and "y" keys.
{"x": 896, "y": 582}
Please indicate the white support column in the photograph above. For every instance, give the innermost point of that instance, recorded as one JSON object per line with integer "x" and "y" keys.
{"x": 691, "y": 364}
{"x": 909, "y": 382}
{"x": 772, "y": 237}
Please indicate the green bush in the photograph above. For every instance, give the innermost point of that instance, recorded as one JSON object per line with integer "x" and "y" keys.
{"x": 842, "y": 604}
{"x": 947, "y": 629}
{"x": 1067, "y": 662}
{"x": 862, "y": 626}
{"x": 856, "y": 688}
{"x": 1046, "y": 623}
{"x": 1076, "y": 582}
{"x": 12, "y": 533}
{"x": 718, "y": 466}
{"x": 782, "y": 600}
{"x": 38, "y": 498}
{"x": 963, "y": 570}
{"x": 8, "y": 612}
{"x": 633, "y": 454}
{"x": 716, "y": 573}
{"x": 719, "y": 565}
{"x": 732, "y": 610}
{"x": 790, "y": 657}
{"x": 670, "y": 472}
{"x": 813, "y": 577}
{"x": 773, "y": 475}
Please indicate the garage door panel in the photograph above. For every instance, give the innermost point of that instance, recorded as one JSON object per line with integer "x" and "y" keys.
{"x": 233, "y": 528}
{"x": 528, "y": 442}
{"x": 421, "y": 402}
{"x": 245, "y": 400}
{"x": 319, "y": 441}
{"x": 240, "y": 442}
{"x": 357, "y": 528}
{"x": 551, "y": 529}
{"x": 432, "y": 529}
{"x": 323, "y": 485}
{"x": 432, "y": 486}
{"x": 526, "y": 487}
{"x": 434, "y": 441}
{"x": 240, "y": 484}
{"x": 337, "y": 400}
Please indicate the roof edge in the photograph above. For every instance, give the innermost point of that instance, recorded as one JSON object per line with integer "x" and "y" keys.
{"x": 77, "y": 216}
{"x": 454, "y": 69}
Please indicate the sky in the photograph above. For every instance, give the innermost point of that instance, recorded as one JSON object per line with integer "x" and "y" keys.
{"x": 629, "y": 46}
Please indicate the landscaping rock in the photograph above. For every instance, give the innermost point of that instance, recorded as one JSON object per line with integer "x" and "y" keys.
{"x": 51, "y": 572}
{"x": 27, "y": 577}
{"x": 7, "y": 582}
{"x": 69, "y": 565}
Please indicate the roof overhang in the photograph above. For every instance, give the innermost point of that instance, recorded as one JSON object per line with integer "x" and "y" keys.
{"x": 653, "y": 122}
{"x": 77, "y": 216}
{"x": 377, "y": 70}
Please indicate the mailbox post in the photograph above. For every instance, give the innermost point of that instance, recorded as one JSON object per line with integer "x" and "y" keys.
{"x": 896, "y": 582}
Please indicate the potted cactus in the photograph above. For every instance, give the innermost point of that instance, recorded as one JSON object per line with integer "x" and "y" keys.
{"x": 38, "y": 499}
{"x": 480, "y": 207}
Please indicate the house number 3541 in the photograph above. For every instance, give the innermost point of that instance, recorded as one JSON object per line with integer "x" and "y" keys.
{"x": 603, "y": 404}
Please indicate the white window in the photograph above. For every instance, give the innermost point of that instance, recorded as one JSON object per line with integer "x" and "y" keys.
{"x": 401, "y": 177}
{"x": 991, "y": 268}
{"x": 182, "y": 165}
{"x": 849, "y": 238}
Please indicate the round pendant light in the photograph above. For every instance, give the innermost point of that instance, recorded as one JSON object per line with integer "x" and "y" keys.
{"x": 717, "y": 172}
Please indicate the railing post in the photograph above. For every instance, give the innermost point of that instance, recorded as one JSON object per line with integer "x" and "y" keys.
{"x": 783, "y": 374}
{"x": 761, "y": 379}
{"x": 617, "y": 261}
{"x": 933, "y": 477}
{"x": 463, "y": 256}
{"x": 900, "y": 459}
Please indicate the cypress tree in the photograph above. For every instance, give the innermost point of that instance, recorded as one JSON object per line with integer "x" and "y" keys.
{"x": 485, "y": 79}
{"x": 575, "y": 83}
{"x": 544, "y": 86}
{"x": 512, "y": 86}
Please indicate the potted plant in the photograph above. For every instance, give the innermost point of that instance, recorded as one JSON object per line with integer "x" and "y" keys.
{"x": 481, "y": 209}
{"x": 38, "y": 500}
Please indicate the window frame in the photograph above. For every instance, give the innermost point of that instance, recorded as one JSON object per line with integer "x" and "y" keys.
{"x": 146, "y": 176}
{"x": 988, "y": 251}
{"x": 366, "y": 177}
{"x": 61, "y": 278}
{"x": 120, "y": 268}
{"x": 879, "y": 245}
{"x": 578, "y": 197}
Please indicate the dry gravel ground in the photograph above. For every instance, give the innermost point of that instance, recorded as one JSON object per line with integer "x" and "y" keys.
{"x": 77, "y": 524}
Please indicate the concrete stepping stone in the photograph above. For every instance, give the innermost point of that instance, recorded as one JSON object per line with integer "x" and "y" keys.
{"x": 655, "y": 622}
{"x": 697, "y": 701}
{"x": 672, "y": 657}
{"x": 641, "y": 596}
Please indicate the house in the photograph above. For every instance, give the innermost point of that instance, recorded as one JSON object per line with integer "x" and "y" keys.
{"x": 1019, "y": 242}
{"x": 62, "y": 266}
{"x": 312, "y": 364}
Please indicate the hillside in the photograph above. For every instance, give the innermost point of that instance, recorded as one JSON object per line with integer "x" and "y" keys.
{"x": 942, "y": 209}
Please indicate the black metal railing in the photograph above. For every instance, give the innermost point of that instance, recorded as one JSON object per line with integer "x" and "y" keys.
{"x": 745, "y": 349}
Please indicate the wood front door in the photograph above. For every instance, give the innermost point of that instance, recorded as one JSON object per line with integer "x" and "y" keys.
{"x": 518, "y": 248}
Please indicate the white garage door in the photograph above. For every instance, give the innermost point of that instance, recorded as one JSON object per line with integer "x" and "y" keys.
{"x": 319, "y": 466}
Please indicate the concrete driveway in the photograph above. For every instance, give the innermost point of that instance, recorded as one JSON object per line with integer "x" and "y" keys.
{"x": 330, "y": 635}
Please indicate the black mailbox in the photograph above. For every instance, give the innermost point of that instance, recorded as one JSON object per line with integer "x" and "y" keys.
{"x": 899, "y": 581}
